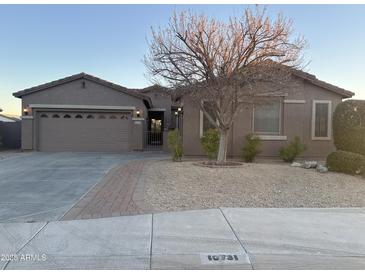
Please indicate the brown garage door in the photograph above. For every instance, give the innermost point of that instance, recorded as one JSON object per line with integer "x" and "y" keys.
{"x": 74, "y": 131}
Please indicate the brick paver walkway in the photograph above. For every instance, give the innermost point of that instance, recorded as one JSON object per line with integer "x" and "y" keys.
{"x": 113, "y": 196}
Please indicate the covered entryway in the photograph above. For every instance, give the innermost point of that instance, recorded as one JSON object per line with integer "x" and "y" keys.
{"x": 154, "y": 135}
{"x": 83, "y": 131}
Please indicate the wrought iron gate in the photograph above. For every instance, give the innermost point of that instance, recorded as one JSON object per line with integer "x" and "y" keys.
{"x": 153, "y": 140}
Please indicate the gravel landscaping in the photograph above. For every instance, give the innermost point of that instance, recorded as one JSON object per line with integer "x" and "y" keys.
{"x": 171, "y": 186}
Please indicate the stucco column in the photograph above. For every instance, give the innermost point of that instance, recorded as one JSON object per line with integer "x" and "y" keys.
{"x": 165, "y": 146}
{"x": 137, "y": 134}
{"x": 27, "y": 132}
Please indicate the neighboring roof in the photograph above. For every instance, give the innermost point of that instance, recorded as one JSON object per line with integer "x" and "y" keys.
{"x": 86, "y": 76}
{"x": 313, "y": 80}
{"x": 6, "y": 118}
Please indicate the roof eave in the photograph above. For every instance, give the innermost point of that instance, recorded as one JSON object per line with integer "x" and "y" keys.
{"x": 344, "y": 93}
{"x": 54, "y": 83}
{"x": 322, "y": 84}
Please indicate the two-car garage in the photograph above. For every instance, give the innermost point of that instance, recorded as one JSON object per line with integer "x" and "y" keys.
{"x": 83, "y": 131}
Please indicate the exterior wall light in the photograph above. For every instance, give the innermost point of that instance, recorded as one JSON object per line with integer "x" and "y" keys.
{"x": 138, "y": 113}
{"x": 176, "y": 113}
{"x": 179, "y": 109}
{"x": 25, "y": 111}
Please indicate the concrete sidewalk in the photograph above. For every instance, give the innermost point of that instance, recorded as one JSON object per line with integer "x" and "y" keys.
{"x": 227, "y": 238}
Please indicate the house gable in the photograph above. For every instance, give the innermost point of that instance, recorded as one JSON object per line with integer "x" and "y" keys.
{"x": 313, "y": 80}
{"x": 86, "y": 89}
{"x": 81, "y": 92}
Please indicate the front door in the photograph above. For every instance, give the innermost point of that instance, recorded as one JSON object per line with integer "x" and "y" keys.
{"x": 156, "y": 125}
{"x": 155, "y": 128}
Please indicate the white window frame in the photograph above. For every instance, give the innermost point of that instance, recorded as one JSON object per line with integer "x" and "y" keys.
{"x": 272, "y": 137}
{"x": 268, "y": 133}
{"x": 329, "y": 124}
{"x": 294, "y": 101}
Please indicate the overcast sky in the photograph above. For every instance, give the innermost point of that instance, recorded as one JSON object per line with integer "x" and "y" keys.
{"x": 44, "y": 43}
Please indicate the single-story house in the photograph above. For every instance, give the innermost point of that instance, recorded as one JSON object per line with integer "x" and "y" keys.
{"x": 86, "y": 113}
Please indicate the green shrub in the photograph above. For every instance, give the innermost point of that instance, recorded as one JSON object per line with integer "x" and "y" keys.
{"x": 251, "y": 148}
{"x": 293, "y": 150}
{"x": 174, "y": 142}
{"x": 349, "y": 126}
{"x": 210, "y": 143}
{"x": 346, "y": 162}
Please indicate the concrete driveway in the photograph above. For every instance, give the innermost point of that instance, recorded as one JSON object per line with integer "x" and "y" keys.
{"x": 43, "y": 186}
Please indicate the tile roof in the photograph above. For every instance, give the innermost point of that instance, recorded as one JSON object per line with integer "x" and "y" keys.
{"x": 140, "y": 93}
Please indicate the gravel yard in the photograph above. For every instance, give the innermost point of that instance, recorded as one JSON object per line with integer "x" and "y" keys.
{"x": 173, "y": 186}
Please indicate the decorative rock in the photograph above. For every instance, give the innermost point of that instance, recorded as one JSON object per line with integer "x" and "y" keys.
{"x": 296, "y": 164}
{"x": 322, "y": 169}
{"x": 310, "y": 164}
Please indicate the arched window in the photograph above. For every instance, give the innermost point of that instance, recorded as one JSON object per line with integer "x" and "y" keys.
{"x": 112, "y": 117}
{"x": 67, "y": 116}
{"x": 44, "y": 115}
{"x": 101, "y": 117}
{"x": 78, "y": 116}
{"x": 90, "y": 117}
{"x": 55, "y": 116}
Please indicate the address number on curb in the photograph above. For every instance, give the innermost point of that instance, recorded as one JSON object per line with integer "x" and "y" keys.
{"x": 222, "y": 258}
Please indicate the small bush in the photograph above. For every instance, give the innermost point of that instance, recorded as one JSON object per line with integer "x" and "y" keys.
{"x": 349, "y": 126}
{"x": 210, "y": 143}
{"x": 251, "y": 148}
{"x": 293, "y": 150}
{"x": 346, "y": 162}
{"x": 174, "y": 142}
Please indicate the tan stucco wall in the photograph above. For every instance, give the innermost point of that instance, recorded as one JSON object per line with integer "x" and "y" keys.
{"x": 73, "y": 93}
{"x": 136, "y": 141}
{"x": 27, "y": 134}
{"x": 296, "y": 121}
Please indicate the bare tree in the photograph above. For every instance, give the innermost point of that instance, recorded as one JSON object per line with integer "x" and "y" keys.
{"x": 227, "y": 64}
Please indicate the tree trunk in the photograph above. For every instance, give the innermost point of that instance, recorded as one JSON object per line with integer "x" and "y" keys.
{"x": 222, "y": 151}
